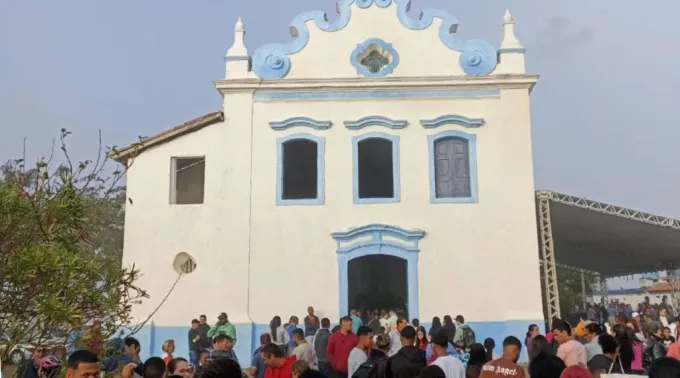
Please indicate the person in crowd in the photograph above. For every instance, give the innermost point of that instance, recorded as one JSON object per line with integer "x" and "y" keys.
{"x": 376, "y": 365}
{"x": 339, "y": 347}
{"x": 434, "y": 328}
{"x": 637, "y": 322}
{"x": 635, "y": 346}
{"x": 180, "y": 367}
{"x": 356, "y": 320}
{"x": 663, "y": 317}
{"x": 93, "y": 338}
{"x": 131, "y": 355}
{"x": 506, "y": 366}
{"x": 278, "y": 331}
{"x": 392, "y": 318}
{"x": 464, "y": 336}
{"x": 450, "y": 365}
{"x": 675, "y": 328}
{"x": 257, "y": 366}
{"x": 421, "y": 338}
{"x": 203, "y": 360}
{"x": 409, "y": 360}
{"x": 489, "y": 346}
{"x": 665, "y": 367}
{"x": 223, "y": 326}
{"x": 449, "y": 327}
{"x": 429, "y": 353}
{"x": 653, "y": 348}
{"x": 667, "y": 337}
{"x": 30, "y": 368}
{"x": 223, "y": 347}
{"x": 592, "y": 345}
{"x": 311, "y": 324}
{"x": 204, "y": 326}
{"x": 576, "y": 371}
{"x": 416, "y": 323}
{"x": 50, "y": 367}
{"x": 299, "y": 367}
{"x": 532, "y": 332}
{"x": 374, "y": 322}
{"x": 222, "y": 368}
{"x": 478, "y": 357}
{"x": 570, "y": 351}
{"x": 542, "y": 361}
{"x": 395, "y": 335}
{"x": 154, "y": 367}
{"x": 194, "y": 340}
{"x": 278, "y": 365}
{"x": 607, "y": 362}
{"x": 620, "y": 333}
{"x": 384, "y": 315}
{"x": 292, "y": 326}
{"x": 359, "y": 354}
{"x": 321, "y": 339}
{"x": 168, "y": 349}
{"x": 303, "y": 350}
{"x": 83, "y": 364}
{"x": 432, "y": 371}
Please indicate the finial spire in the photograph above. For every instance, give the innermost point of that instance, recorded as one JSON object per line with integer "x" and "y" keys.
{"x": 510, "y": 41}
{"x": 237, "y": 59}
{"x": 239, "y": 26}
{"x": 239, "y": 47}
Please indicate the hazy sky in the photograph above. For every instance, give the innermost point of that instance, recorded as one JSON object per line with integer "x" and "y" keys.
{"x": 603, "y": 126}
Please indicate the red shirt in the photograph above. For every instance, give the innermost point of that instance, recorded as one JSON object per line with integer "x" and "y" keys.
{"x": 282, "y": 371}
{"x": 338, "y": 350}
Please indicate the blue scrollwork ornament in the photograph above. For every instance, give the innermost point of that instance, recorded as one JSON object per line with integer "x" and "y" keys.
{"x": 478, "y": 57}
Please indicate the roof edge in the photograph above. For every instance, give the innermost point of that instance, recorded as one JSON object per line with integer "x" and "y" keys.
{"x": 121, "y": 155}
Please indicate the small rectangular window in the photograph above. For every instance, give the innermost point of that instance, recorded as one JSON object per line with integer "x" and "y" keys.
{"x": 188, "y": 180}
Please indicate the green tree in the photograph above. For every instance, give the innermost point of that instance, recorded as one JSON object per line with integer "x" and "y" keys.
{"x": 571, "y": 289}
{"x": 60, "y": 248}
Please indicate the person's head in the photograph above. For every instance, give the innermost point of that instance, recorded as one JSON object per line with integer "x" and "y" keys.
{"x": 222, "y": 342}
{"x": 265, "y": 339}
{"x": 221, "y": 368}
{"x": 666, "y": 332}
{"x": 609, "y": 345}
{"x": 132, "y": 346}
{"x": 298, "y": 336}
{"x": 82, "y": 364}
{"x": 401, "y": 323}
{"x": 222, "y": 318}
{"x": 546, "y": 368}
{"x": 353, "y": 312}
{"x": 154, "y": 367}
{"x": 168, "y": 346}
{"x": 460, "y": 320}
{"x": 179, "y": 366}
{"x": 636, "y": 316}
{"x": 203, "y": 319}
{"x": 195, "y": 323}
{"x": 662, "y": 311}
{"x": 440, "y": 343}
{"x": 421, "y": 334}
{"x": 393, "y": 312}
{"x": 345, "y": 324}
{"x": 49, "y": 367}
{"x": 448, "y": 320}
{"x": 299, "y": 367}
{"x": 407, "y": 335}
{"x": 432, "y": 371}
{"x": 665, "y": 367}
{"x": 648, "y": 317}
{"x": 654, "y": 328}
{"x": 512, "y": 347}
{"x": 293, "y": 320}
{"x": 272, "y": 356}
{"x": 489, "y": 345}
{"x": 591, "y": 331}
{"x": 436, "y": 322}
{"x": 383, "y": 342}
{"x": 478, "y": 355}
{"x": 38, "y": 353}
{"x": 203, "y": 356}
{"x": 364, "y": 337}
{"x": 561, "y": 330}
{"x": 533, "y": 331}
{"x": 540, "y": 347}
{"x": 415, "y": 322}
{"x": 325, "y": 323}
{"x": 310, "y": 311}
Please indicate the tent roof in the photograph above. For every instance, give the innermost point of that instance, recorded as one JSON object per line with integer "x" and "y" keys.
{"x": 611, "y": 240}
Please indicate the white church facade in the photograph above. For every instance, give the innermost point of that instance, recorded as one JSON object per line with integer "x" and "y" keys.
{"x": 342, "y": 170}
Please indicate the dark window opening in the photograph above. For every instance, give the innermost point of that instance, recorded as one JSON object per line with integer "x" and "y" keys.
{"x": 368, "y": 290}
{"x": 189, "y": 177}
{"x": 452, "y": 168}
{"x": 376, "y": 172}
{"x": 300, "y": 170}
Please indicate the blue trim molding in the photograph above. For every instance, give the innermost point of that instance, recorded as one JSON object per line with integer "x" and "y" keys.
{"x": 472, "y": 159}
{"x": 320, "y": 166}
{"x": 272, "y": 61}
{"x": 376, "y": 121}
{"x": 451, "y": 119}
{"x": 405, "y": 248}
{"x": 395, "y": 168}
{"x": 300, "y": 121}
{"x": 367, "y": 47}
{"x": 371, "y": 94}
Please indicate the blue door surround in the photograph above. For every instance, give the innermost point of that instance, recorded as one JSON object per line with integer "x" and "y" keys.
{"x": 378, "y": 239}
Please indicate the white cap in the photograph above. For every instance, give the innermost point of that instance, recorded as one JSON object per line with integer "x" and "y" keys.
{"x": 635, "y": 314}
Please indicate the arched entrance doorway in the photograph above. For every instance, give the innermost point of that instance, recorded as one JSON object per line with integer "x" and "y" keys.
{"x": 376, "y": 245}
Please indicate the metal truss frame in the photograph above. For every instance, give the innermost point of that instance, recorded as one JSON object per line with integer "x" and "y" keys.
{"x": 547, "y": 245}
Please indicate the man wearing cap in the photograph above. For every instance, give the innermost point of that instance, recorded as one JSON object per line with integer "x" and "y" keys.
{"x": 223, "y": 327}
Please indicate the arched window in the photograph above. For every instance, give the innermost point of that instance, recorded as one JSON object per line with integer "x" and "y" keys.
{"x": 300, "y": 170}
{"x": 453, "y": 167}
{"x": 376, "y": 168}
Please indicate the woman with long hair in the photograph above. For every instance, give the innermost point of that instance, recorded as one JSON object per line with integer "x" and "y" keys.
{"x": 636, "y": 345}
{"x": 436, "y": 324}
{"x": 449, "y": 327}
{"x": 620, "y": 333}
{"x": 532, "y": 332}
{"x": 274, "y": 325}
{"x": 543, "y": 363}
{"x": 421, "y": 338}
{"x": 477, "y": 359}
{"x": 489, "y": 345}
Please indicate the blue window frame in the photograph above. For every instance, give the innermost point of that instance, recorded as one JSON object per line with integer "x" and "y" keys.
{"x": 453, "y": 167}
{"x": 379, "y": 140}
{"x": 308, "y": 141}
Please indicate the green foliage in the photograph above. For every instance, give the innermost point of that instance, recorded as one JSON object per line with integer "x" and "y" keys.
{"x": 571, "y": 289}
{"x": 61, "y": 231}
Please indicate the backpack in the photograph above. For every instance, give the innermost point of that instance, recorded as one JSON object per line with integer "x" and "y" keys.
{"x": 373, "y": 368}
{"x": 468, "y": 338}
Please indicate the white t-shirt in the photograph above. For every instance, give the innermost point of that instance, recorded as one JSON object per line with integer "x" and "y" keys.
{"x": 451, "y": 365}
{"x": 307, "y": 353}
{"x": 355, "y": 359}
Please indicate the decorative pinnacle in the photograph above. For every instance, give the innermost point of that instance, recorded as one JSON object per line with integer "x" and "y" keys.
{"x": 240, "y": 28}
{"x": 508, "y": 19}
{"x": 239, "y": 47}
{"x": 510, "y": 41}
